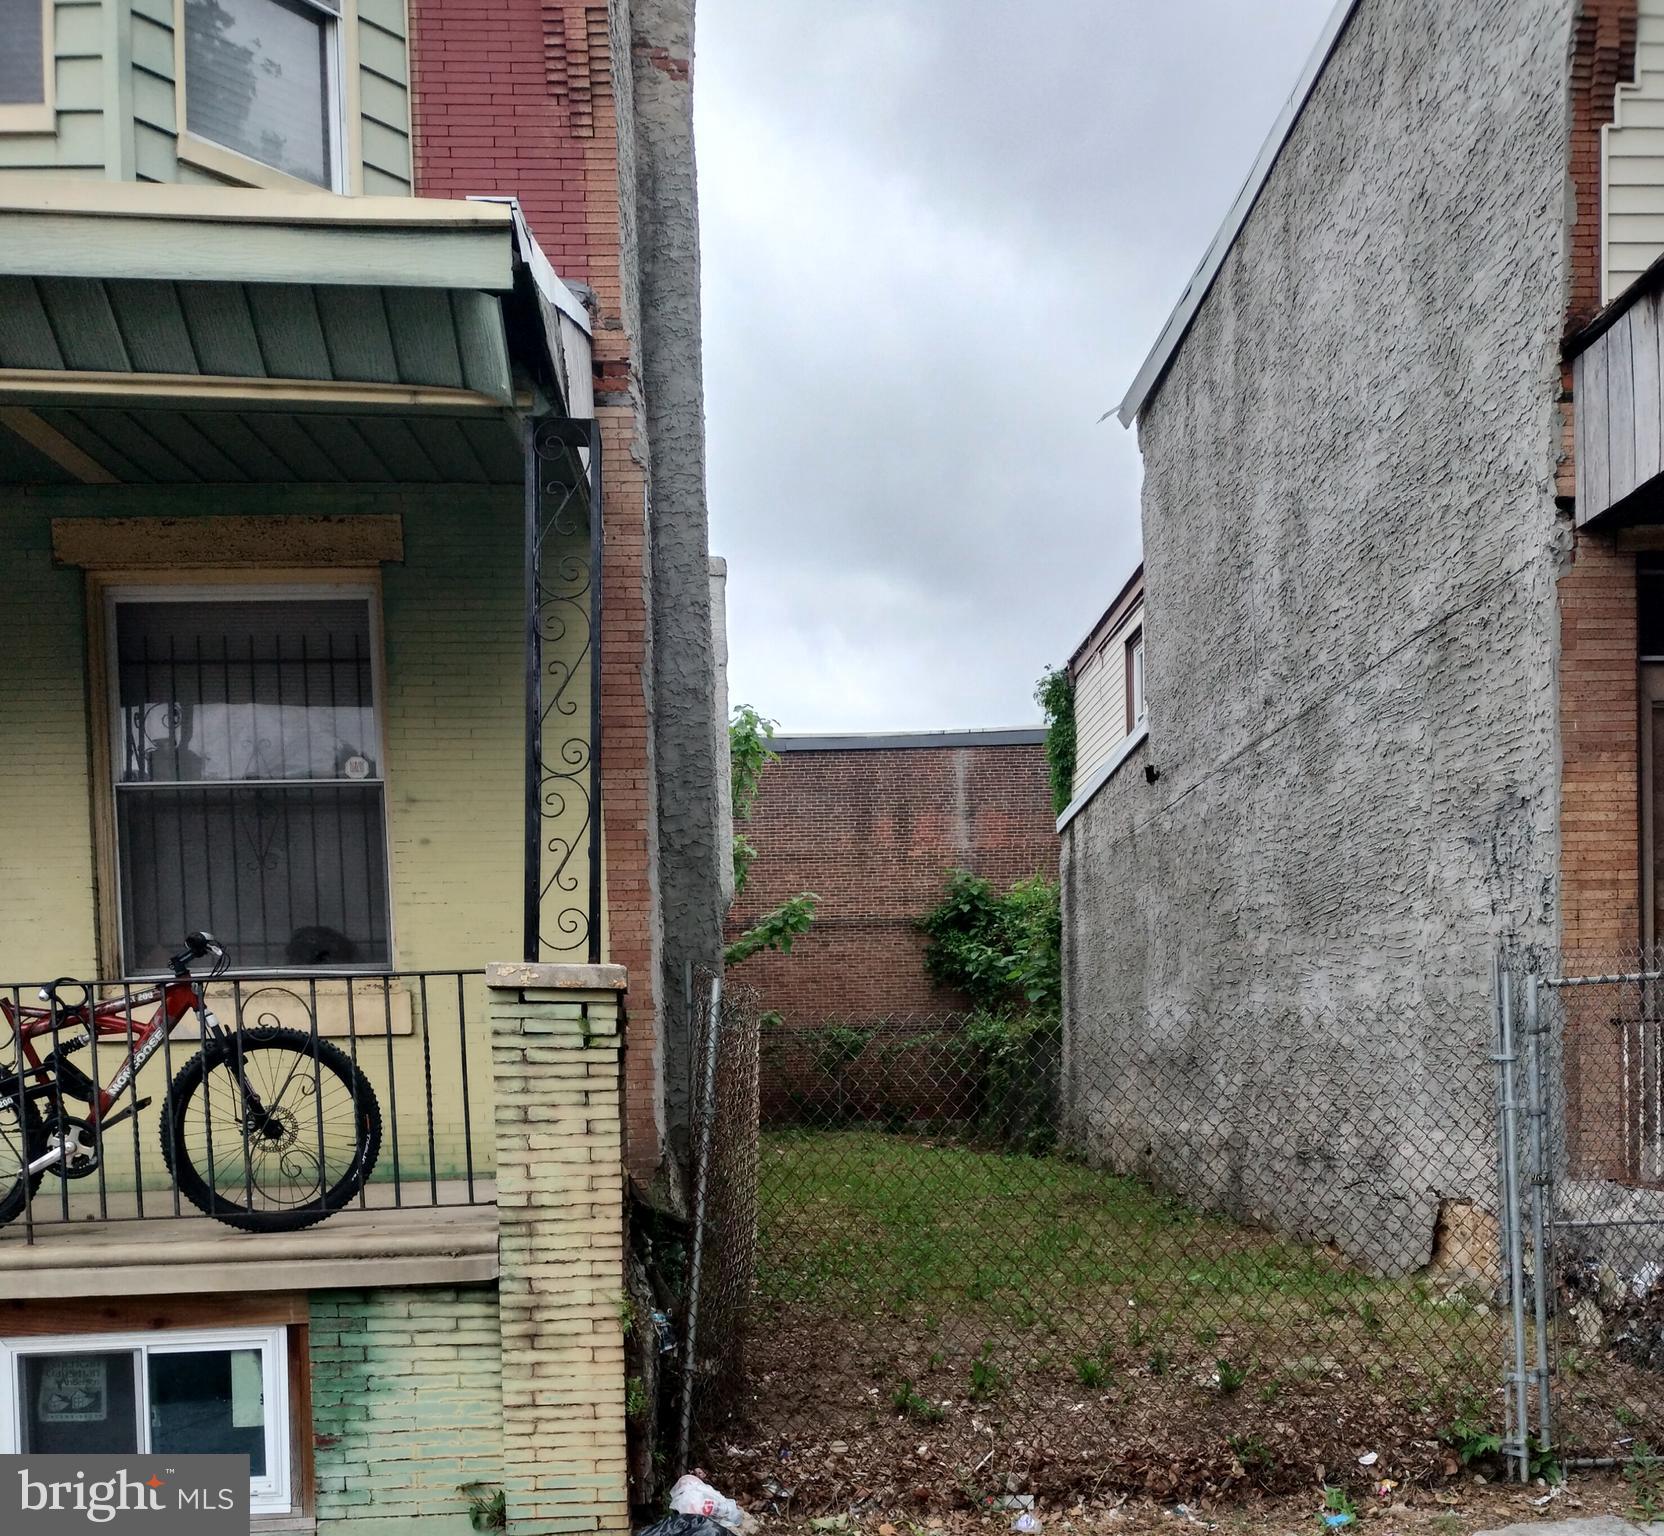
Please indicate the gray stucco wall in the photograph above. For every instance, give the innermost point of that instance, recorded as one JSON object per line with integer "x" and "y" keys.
{"x": 1350, "y": 546}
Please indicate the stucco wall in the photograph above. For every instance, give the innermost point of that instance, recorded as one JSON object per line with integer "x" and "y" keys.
{"x": 1350, "y": 549}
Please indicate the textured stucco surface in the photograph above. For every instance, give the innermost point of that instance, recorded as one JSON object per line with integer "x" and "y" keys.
{"x": 1350, "y": 550}
{"x": 667, "y": 227}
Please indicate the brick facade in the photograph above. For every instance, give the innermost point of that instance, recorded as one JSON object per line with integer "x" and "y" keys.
{"x": 874, "y": 832}
{"x": 1599, "y": 706}
{"x": 555, "y": 1040}
{"x": 517, "y": 97}
{"x": 407, "y": 1407}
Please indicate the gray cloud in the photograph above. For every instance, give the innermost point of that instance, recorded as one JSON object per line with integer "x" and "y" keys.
{"x": 939, "y": 236}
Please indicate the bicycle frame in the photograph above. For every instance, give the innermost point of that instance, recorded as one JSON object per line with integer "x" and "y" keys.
{"x": 67, "y": 1028}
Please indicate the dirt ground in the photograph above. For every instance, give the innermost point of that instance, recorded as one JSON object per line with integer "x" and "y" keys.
{"x": 1457, "y": 1509}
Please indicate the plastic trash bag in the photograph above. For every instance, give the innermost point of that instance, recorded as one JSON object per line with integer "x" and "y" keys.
{"x": 691, "y": 1496}
{"x": 687, "y": 1525}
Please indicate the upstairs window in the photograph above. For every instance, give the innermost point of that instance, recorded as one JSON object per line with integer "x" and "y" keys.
{"x": 1135, "y": 679}
{"x": 263, "y": 79}
{"x": 248, "y": 777}
{"x": 25, "y": 66}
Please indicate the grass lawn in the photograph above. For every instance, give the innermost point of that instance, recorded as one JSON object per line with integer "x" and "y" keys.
{"x": 1048, "y": 1266}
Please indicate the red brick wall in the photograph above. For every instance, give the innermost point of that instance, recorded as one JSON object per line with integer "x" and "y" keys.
{"x": 874, "y": 834}
{"x": 516, "y": 97}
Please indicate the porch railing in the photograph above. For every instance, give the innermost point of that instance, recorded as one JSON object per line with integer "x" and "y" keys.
{"x": 323, "y": 1058}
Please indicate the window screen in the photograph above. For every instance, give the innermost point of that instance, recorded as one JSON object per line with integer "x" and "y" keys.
{"x": 22, "y": 63}
{"x": 249, "y": 794}
{"x": 259, "y": 80}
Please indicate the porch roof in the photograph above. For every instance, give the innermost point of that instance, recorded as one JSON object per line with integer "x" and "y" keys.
{"x": 176, "y": 335}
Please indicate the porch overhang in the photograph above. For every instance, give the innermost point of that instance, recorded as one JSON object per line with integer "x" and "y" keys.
{"x": 162, "y": 335}
{"x": 1618, "y": 400}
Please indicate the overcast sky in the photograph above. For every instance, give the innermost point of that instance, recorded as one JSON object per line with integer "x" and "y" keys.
{"x": 939, "y": 237}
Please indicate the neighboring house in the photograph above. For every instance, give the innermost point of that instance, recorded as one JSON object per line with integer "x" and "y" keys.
{"x": 1107, "y": 671}
{"x": 873, "y": 825}
{"x": 1401, "y": 628}
{"x": 313, "y": 477}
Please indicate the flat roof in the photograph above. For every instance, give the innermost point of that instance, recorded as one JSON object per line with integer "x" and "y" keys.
{"x": 892, "y": 741}
{"x": 1177, "y": 327}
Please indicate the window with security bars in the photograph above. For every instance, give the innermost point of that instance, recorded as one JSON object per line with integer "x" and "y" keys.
{"x": 249, "y": 791}
{"x": 262, "y": 77}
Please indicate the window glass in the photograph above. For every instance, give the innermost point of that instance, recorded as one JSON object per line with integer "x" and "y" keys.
{"x": 249, "y": 797}
{"x": 1650, "y": 611}
{"x": 79, "y": 1403}
{"x": 210, "y": 1401}
{"x": 257, "y": 80}
{"x": 22, "y": 65}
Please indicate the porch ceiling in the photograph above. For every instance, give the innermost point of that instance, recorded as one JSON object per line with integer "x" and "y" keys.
{"x": 172, "y": 445}
{"x": 153, "y": 335}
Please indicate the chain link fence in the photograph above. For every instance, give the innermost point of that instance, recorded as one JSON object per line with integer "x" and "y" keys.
{"x": 1176, "y": 1253}
{"x": 1587, "y": 1049}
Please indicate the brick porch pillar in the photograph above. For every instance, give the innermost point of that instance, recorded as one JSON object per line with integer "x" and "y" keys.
{"x": 555, "y": 1033}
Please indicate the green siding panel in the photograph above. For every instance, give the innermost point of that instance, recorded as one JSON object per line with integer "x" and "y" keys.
{"x": 26, "y": 339}
{"x": 79, "y": 29}
{"x": 290, "y": 330}
{"x": 153, "y": 323}
{"x": 222, "y": 330}
{"x": 383, "y": 52}
{"x": 153, "y": 101}
{"x": 357, "y": 334}
{"x": 80, "y": 84}
{"x": 84, "y": 325}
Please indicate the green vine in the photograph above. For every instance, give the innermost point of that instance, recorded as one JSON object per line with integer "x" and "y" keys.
{"x": 1055, "y": 694}
{"x": 750, "y": 751}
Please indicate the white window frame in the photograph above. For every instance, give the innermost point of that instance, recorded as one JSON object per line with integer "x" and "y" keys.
{"x": 231, "y": 591}
{"x": 236, "y": 166}
{"x": 272, "y": 1494}
{"x": 37, "y": 116}
{"x": 1136, "y": 702}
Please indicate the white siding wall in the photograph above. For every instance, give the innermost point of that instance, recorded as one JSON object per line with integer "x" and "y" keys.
{"x": 1101, "y": 723}
{"x": 1632, "y": 171}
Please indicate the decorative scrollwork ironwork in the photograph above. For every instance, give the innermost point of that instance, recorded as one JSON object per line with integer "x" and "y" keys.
{"x": 563, "y": 598}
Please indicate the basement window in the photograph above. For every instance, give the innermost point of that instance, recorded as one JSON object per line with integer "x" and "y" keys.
{"x": 222, "y": 1392}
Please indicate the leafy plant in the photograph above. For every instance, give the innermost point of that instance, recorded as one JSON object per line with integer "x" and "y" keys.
{"x": 750, "y": 751}
{"x": 1470, "y": 1440}
{"x": 1254, "y": 1454}
{"x": 487, "y": 1507}
{"x": 985, "y": 1379}
{"x": 1645, "y": 1477}
{"x": 1160, "y": 1362}
{"x": 1004, "y": 950}
{"x": 1337, "y": 1501}
{"x": 910, "y": 1405}
{"x": 635, "y": 1399}
{"x": 1090, "y": 1371}
{"x": 1055, "y": 694}
{"x": 1231, "y": 1377}
{"x": 776, "y": 929}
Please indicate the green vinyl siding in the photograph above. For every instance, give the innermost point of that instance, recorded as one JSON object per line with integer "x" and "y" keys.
{"x": 78, "y": 147}
{"x": 96, "y": 46}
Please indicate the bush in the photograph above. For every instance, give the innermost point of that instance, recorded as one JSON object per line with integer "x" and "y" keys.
{"x": 1004, "y": 951}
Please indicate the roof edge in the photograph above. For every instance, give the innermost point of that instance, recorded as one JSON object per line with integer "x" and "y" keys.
{"x": 880, "y": 741}
{"x": 1177, "y": 327}
{"x": 1134, "y": 580}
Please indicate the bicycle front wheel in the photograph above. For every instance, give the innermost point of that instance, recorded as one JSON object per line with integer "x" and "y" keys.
{"x": 22, "y": 1140}
{"x": 271, "y": 1130}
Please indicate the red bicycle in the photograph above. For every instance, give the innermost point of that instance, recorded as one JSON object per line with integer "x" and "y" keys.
{"x": 267, "y": 1129}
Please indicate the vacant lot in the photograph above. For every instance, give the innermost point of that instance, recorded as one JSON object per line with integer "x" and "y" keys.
{"x": 936, "y": 1322}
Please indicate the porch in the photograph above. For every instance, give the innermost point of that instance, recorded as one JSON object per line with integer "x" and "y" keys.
{"x": 299, "y": 508}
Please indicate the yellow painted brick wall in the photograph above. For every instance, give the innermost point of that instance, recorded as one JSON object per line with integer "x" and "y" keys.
{"x": 560, "y": 1196}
